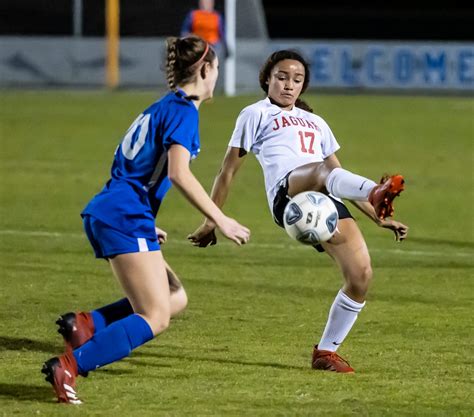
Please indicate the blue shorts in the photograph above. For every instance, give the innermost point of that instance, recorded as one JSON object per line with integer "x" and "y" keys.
{"x": 108, "y": 242}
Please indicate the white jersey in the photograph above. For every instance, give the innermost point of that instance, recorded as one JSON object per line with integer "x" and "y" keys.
{"x": 282, "y": 140}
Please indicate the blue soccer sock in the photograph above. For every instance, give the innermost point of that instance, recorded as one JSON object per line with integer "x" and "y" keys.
{"x": 109, "y": 314}
{"x": 113, "y": 343}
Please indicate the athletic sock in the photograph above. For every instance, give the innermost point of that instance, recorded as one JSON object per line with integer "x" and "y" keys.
{"x": 109, "y": 314}
{"x": 113, "y": 343}
{"x": 342, "y": 316}
{"x": 344, "y": 184}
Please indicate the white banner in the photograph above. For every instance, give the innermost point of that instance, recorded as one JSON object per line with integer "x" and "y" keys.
{"x": 430, "y": 66}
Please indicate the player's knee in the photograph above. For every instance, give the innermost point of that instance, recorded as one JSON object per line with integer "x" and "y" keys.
{"x": 366, "y": 275}
{"x": 160, "y": 325}
{"x": 159, "y": 321}
{"x": 179, "y": 301}
{"x": 360, "y": 279}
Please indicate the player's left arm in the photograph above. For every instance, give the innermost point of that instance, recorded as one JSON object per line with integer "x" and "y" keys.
{"x": 399, "y": 229}
{"x": 332, "y": 162}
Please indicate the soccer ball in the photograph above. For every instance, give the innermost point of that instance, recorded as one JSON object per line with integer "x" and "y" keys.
{"x": 310, "y": 218}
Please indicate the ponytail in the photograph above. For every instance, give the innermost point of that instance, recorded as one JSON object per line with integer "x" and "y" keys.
{"x": 184, "y": 57}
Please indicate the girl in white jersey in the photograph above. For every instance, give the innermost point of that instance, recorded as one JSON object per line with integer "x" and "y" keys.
{"x": 296, "y": 150}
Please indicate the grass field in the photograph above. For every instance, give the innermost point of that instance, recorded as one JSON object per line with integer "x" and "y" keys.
{"x": 243, "y": 346}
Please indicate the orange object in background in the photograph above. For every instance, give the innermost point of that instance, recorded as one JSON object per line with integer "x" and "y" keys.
{"x": 205, "y": 24}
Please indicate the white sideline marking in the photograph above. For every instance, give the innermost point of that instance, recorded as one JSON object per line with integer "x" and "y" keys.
{"x": 36, "y": 233}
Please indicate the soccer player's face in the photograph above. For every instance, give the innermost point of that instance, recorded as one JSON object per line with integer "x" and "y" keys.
{"x": 286, "y": 82}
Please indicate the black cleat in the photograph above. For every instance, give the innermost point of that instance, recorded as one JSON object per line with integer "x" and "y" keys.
{"x": 75, "y": 328}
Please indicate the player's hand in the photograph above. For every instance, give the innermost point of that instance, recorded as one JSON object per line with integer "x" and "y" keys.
{"x": 162, "y": 235}
{"x": 204, "y": 235}
{"x": 399, "y": 229}
{"x": 234, "y": 231}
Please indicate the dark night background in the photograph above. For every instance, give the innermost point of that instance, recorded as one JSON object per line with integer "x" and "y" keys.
{"x": 285, "y": 19}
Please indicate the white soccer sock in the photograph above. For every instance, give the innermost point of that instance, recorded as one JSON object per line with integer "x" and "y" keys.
{"x": 344, "y": 184}
{"x": 342, "y": 316}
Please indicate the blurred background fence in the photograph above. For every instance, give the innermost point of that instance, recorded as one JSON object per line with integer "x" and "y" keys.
{"x": 379, "y": 47}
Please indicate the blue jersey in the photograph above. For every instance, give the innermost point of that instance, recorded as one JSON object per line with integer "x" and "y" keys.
{"x": 131, "y": 198}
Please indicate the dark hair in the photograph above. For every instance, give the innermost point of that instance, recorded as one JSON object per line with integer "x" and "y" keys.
{"x": 183, "y": 56}
{"x": 278, "y": 56}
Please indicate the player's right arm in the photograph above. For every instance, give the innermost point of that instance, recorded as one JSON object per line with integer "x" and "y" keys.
{"x": 233, "y": 159}
{"x": 231, "y": 163}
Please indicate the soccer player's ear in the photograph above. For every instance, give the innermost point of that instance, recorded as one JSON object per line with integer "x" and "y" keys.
{"x": 204, "y": 70}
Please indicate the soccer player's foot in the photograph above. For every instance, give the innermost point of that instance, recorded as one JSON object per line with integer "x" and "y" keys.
{"x": 61, "y": 373}
{"x": 383, "y": 194}
{"x": 326, "y": 360}
{"x": 76, "y": 329}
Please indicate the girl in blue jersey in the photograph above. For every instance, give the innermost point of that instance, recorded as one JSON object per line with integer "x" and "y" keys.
{"x": 120, "y": 222}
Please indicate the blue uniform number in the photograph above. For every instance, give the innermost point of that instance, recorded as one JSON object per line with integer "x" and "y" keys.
{"x": 130, "y": 148}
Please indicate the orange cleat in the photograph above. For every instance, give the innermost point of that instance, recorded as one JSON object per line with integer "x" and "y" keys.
{"x": 76, "y": 329}
{"x": 383, "y": 194}
{"x": 61, "y": 373}
{"x": 326, "y": 360}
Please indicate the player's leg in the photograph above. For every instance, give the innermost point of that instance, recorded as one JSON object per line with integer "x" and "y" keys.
{"x": 77, "y": 328}
{"x": 178, "y": 296}
{"x": 349, "y": 250}
{"x": 178, "y": 299}
{"x": 144, "y": 280}
{"x": 143, "y": 277}
{"x": 308, "y": 177}
{"x": 321, "y": 176}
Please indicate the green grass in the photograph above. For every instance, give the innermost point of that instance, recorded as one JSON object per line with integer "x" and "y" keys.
{"x": 243, "y": 346}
